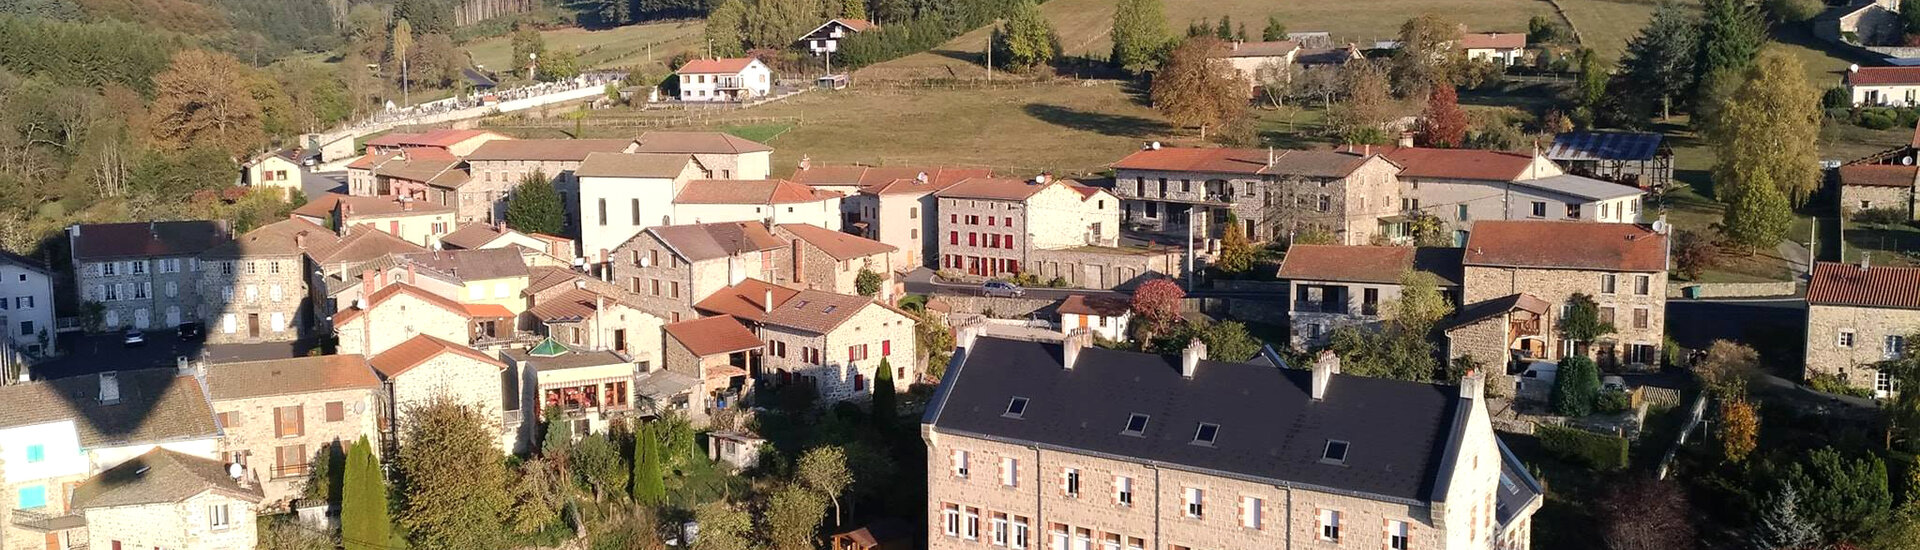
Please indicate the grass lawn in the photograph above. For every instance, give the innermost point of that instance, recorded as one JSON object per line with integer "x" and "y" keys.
{"x": 1607, "y": 25}
{"x": 620, "y": 47}
{"x": 1889, "y": 244}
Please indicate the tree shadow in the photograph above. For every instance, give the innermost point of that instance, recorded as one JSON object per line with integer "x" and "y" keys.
{"x": 976, "y": 58}
{"x": 1110, "y": 124}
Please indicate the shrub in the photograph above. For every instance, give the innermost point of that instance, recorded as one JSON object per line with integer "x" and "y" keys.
{"x": 1874, "y": 119}
{"x": 1057, "y": 282}
{"x": 1613, "y": 402}
{"x": 1576, "y": 387}
{"x": 1597, "y": 451}
{"x": 1880, "y": 216}
{"x": 1693, "y": 253}
{"x": 1829, "y": 383}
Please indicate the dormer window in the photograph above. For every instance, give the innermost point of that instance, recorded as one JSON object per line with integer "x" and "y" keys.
{"x": 1136, "y": 425}
{"x": 1016, "y": 408}
{"x": 1335, "y": 453}
{"x": 1204, "y": 436}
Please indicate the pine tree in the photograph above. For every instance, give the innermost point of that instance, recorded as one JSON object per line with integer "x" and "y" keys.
{"x": 885, "y": 402}
{"x": 1443, "y": 124}
{"x": 1731, "y": 35}
{"x": 1275, "y": 29}
{"x": 1660, "y": 59}
{"x": 853, "y": 9}
{"x": 1224, "y": 30}
{"x": 558, "y": 432}
{"x": 1781, "y": 527}
{"x": 365, "y": 523}
{"x": 1240, "y": 33}
{"x": 535, "y": 206}
{"x": 649, "y": 483}
{"x": 1139, "y": 35}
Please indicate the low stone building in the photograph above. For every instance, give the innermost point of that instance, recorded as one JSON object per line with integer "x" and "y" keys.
{"x": 720, "y": 352}
{"x": 336, "y": 279}
{"x": 832, "y": 261}
{"x": 397, "y": 313}
{"x": 1335, "y": 286}
{"x": 1858, "y": 316}
{"x": 1893, "y": 187}
{"x": 593, "y": 315}
{"x": 255, "y": 286}
{"x": 424, "y": 369}
{"x": 1106, "y": 316}
{"x": 834, "y": 341}
{"x": 1106, "y": 267}
{"x": 277, "y": 417}
{"x": 1622, "y": 267}
{"x": 670, "y": 268}
{"x": 168, "y": 499}
{"x": 144, "y": 274}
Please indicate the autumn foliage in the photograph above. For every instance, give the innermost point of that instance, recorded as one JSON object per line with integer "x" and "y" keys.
{"x": 1443, "y": 124}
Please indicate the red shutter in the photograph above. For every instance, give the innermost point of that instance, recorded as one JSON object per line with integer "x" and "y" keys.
{"x": 886, "y": 347}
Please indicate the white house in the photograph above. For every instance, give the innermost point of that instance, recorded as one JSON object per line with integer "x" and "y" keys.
{"x": 275, "y": 170}
{"x": 1505, "y": 48}
{"x": 624, "y": 193}
{"x": 1107, "y": 317}
{"x": 1251, "y": 58}
{"x": 772, "y": 201}
{"x": 26, "y": 307}
{"x": 1883, "y": 85}
{"x": 731, "y": 79}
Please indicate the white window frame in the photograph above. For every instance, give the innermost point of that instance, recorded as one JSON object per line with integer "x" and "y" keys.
{"x": 1123, "y": 490}
{"x": 1195, "y": 503}
{"x": 999, "y": 529}
{"x": 1397, "y": 535}
{"x": 1010, "y": 472}
{"x": 1251, "y": 512}
{"x": 219, "y": 516}
{"x": 1329, "y": 525}
{"x": 959, "y": 464}
{"x": 971, "y": 519}
{"x": 1070, "y": 482}
{"x": 1844, "y": 338}
{"x": 1018, "y": 539}
{"x": 950, "y": 518}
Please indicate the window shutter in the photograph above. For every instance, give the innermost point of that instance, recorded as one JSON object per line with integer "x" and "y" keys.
{"x": 336, "y": 411}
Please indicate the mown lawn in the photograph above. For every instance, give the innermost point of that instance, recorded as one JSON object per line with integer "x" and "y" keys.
{"x": 648, "y": 45}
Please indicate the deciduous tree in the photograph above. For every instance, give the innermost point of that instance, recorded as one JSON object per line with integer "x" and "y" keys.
{"x": 1139, "y": 35}
{"x": 1368, "y": 106}
{"x": 824, "y": 469}
{"x": 793, "y": 516}
{"x": 1443, "y": 124}
{"x": 1643, "y": 513}
{"x": 1426, "y": 56}
{"x": 453, "y": 475}
{"x": 1158, "y": 302}
{"x": 1192, "y": 90}
{"x": 535, "y": 206}
{"x": 867, "y": 283}
{"x": 598, "y": 464}
{"x": 723, "y": 527}
{"x": 1026, "y": 40}
{"x": 1765, "y": 133}
{"x": 1739, "y": 429}
{"x": 537, "y": 493}
{"x": 1582, "y": 321}
{"x": 853, "y": 9}
{"x": 1757, "y": 215}
{"x": 1236, "y": 250}
{"x": 724, "y": 28}
{"x": 203, "y": 99}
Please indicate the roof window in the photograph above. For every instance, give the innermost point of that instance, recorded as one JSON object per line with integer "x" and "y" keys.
{"x": 1204, "y": 436}
{"x": 1335, "y": 453}
{"x": 1136, "y": 425}
{"x": 1016, "y": 408}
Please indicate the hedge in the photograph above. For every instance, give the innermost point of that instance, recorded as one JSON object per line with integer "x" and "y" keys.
{"x": 1601, "y": 452}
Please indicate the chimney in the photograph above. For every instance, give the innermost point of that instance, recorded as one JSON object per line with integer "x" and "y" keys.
{"x": 1270, "y": 156}
{"x": 1190, "y": 358}
{"x": 154, "y": 229}
{"x": 109, "y": 387}
{"x": 1473, "y": 385}
{"x": 1866, "y": 261}
{"x": 1078, "y": 339}
{"x": 967, "y": 331}
{"x": 1406, "y": 140}
{"x": 806, "y": 163}
{"x": 766, "y": 304}
{"x": 1369, "y": 151}
{"x": 366, "y": 283}
{"x": 799, "y": 262}
{"x": 1324, "y": 367}
{"x": 410, "y": 279}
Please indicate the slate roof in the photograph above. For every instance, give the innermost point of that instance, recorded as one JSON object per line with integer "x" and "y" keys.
{"x": 105, "y": 241}
{"x": 1566, "y": 245}
{"x": 715, "y": 143}
{"x": 1369, "y": 264}
{"x": 1877, "y": 175}
{"x": 1582, "y": 187}
{"x": 404, "y": 356}
{"x": 1882, "y": 76}
{"x": 281, "y": 238}
{"x": 731, "y": 65}
{"x": 1326, "y": 56}
{"x": 713, "y": 335}
{"x": 473, "y": 265}
{"x": 839, "y": 245}
{"x": 1104, "y": 306}
{"x": 1837, "y": 284}
{"x": 546, "y": 149}
{"x": 1314, "y": 163}
{"x": 1270, "y": 427}
{"x": 156, "y": 405}
{"x": 289, "y": 376}
{"x": 161, "y": 476}
{"x": 707, "y": 241}
{"x": 1604, "y": 146}
{"x": 1465, "y": 164}
{"x": 634, "y": 165}
{"x": 750, "y": 192}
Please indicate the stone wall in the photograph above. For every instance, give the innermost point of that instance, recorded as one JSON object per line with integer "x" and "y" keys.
{"x": 1854, "y": 198}
{"x": 1869, "y": 329}
{"x": 173, "y": 525}
{"x": 1104, "y": 268}
{"x": 249, "y": 431}
{"x": 1557, "y": 286}
{"x": 267, "y": 291}
{"x": 463, "y": 379}
{"x": 1004, "y": 308}
{"x": 399, "y": 318}
{"x": 1732, "y": 290}
{"x": 142, "y": 300}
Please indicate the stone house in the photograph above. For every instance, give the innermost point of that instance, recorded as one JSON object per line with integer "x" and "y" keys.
{"x": 477, "y": 236}
{"x": 588, "y": 314}
{"x": 413, "y": 220}
{"x": 455, "y": 142}
{"x": 424, "y": 369}
{"x": 1622, "y": 267}
{"x": 592, "y": 389}
{"x": 991, "y": 227}
{"x": 1880, "y": 187}
{"x": 890, "y": 204}
{"x": 832, "y": 261}
{"x": 1314, "y": 461}
{"x": 495, "y": 276}
{"x": 1861, "y": 23}
{"x": 421, "y": 174}
{"x": 338, "y": 280}
{"x": 1462, "y": 186}
{"x": 834, "y": 341}
{"x": 1258, "y": 61}
{"x": 1105, "y": 316}
{"x": 720, "y": 352}
{"x": 769, "y": 201}
{"x": 168, "y": 499}
{"x": 1858, "y": 316}
{"x": 672, "y": 267}
{"x": 142, "y": 274}
{"x": 622, "y": 194}
{"x": 498, "y": 167}
{"x": 278, "y": 416}
{"x": 397, "y": 313}
{"x": 54, "y": 434}
{"x": 255, "y": 286}
{"x": 26, "y": 308}
{"x": 1275, "y": 194}
{"x": 1334, "y": 286}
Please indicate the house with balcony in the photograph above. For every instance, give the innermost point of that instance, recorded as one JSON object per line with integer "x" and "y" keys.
{"x": 278, "y": 416}
{"x": 1276, "y": 194}
{"x": 1334, "y": 286}
{"x": 1459, "y": 187}
{"x": 826, "y": 37}
{"x": 592, "y": 389}
{"x": 1859, "y": 315}
{"x": 168, "y": 499}
{"x": 720, "y": 352}
{"x": 733, "y": 79}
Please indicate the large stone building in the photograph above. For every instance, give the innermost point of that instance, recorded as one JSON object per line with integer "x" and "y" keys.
{"x": 278, "y": 416}
{"x": 824, "y": 259}
{"x": 1334, "y": 286}
{"x": 256, "y": 285}
{"x": 1858, "y": 316}
{"x": 724, "y": 155}
{"x": 498, "y": 167}
{"x": 1276, "y": 194}
{"x": 144, "y": 274}
{"x": 893, "y": 205}
{"x": 672, "y": 267}
{"x": 416, "y": 221}
{"x": 421, "y": 174}
{"x": 589, "y": 314}
{"x": 1186, "y": 452}
{"x": 622, "y": 194}
{"x": 337, "y": 279}
{"x": 1515, "y": 267}
{"x": 834, "y": 341}
{"x": 455, "y": 142}
{"x": 168, "y": 499}
{"x": 1460, "y": 187}
{"x": 425, "y": 369}
{"x": 993, "y": 227}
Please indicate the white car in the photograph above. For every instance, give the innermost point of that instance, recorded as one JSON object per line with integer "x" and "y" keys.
{"x": 1613, "y": 384}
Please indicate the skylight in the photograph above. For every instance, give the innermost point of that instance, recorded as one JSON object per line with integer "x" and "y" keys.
{"x": 1016, "y": 408}
{"x": 1336, "y": 452}
{"x": 831, "y": 308}
{"x": 1136, "y": 425}
{"x": 1206, "y": 433}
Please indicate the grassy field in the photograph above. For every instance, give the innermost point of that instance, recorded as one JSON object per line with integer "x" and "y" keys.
{"x": 630, "y": 46}
{"x": 1606, "y": 25}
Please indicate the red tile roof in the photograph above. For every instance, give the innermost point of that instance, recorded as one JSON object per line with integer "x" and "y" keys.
{"x": 1368, "y": 264}
{"x": 1836, "y": 284}
{"x": 381, "y": 296}
{"x": 404, "y": 356}
{"x": 856, "y": 25}
{"x": 1494, "y": 41}
{"x": 713, "y": 335}
{"x": 747, "y": 300}
{"x": 750, "y": 192}
{"x": 546, "y": 149}
{"x": 870, "y": 176}
{"x": 1877, "y": 175}
{"x": 713, "y": 143}
{"x": 487, "y": 311}
{"x": 1464, "y": 164}
{"x": 731, "y": 65}
{"x": 1104, "y": 306}
{"x": 1566, "y": 245}
{"x": 842, "y": 246}
{"x": 1881, "y": 76}
{"x": 445, "y": 137}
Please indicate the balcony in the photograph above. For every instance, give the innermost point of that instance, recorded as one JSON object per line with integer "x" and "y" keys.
{"x": 39, "y": 519}
{"x": 1320, "y": 306}
{"x": 729, "y": 83}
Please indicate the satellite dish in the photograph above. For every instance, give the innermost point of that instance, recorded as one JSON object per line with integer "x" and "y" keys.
{"x": 1906, "y": 161}
{"x": 1853, "y": 68}
{"x": 236, "y": 471}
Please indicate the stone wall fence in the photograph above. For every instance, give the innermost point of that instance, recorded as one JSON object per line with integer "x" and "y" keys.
{"x": 1683, "y": 290}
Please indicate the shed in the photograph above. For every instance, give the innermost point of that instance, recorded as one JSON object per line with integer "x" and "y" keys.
{"x": 1641, "y": 159}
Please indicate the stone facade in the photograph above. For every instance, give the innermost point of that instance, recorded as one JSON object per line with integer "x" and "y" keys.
{"x": 1103, "y": 267}
{"x": 1318, "y": 307}
{"x": 252, "y": 437}
{"x": 145, "y": 293}
{"x": 667, "y": 285}
{"x": 1636, "y": 305}
{"x": 1845, "y": 341}
{"x": 484, "y": 197}
{"x": 1854, "y": 198}
{"x": 253, "y": 299}
{"x": 620, "y": 328}
{"x": 848, "y": 356}
{"x": 997, "y": 237}
{"x": 398, "y": 319}
{"x": 1272, "y": 206}
{"x": 184, "y": 525}
{"x": 449, "y": 375}
{"x": 905, "y": 220}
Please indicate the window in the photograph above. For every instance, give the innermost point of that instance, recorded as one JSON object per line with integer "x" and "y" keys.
{"x": 950, "y": 513}
{"x": 959, "y": 463}
{"x": 1123, "y": 490}
{"x": 856, "y": 353}
{"x": 1642, "y": 284}
{"x": 1539, "y": 209}
{"x": 287, "y": 422}
{"x": 336, "y": 411}
{"x": 999, "y": 529}
{"x": 1607, "y": 283}
{"x": 1573, "y": 211}
{"x": 33, "y": 497}
{"x": 1009, "y": 471}
{"x": 1895, "y": 345}
{"x": 1136, "y": 425}
{"x": 1846, "y": 338}
{"x": 290, "y": 461}
{"x": 1640, "y": 315}
{"x": 1016, "y": 408}
{"x": 26, "y": 328}
{"x": 972, "y": 531}
{"x": 23, "y": 302}
{"x": 251, "y": 268}
{"x": 1070, "y": 482}
{"x": 1335, "y": 453}
{"x": 953, "y": 237}
{"x": 1330, "y": 525}
{"x": 1460, "y": 212}
{"x": 1195, "y": 502}
{"x": 1250, "y": 512}
{"x": 217, "y": 516}
{"x": 1396, "y": 535}
{"x": 1109, "y": 541}
{"x": 1018, "y": 540}
{"x": 1606, "y": 315}
{"x": 1882, "y": 383}
{"x": 36, "y": 453}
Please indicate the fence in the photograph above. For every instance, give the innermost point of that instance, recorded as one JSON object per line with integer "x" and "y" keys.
{"x": 1732, "y": 290}
{"x": 691, "y": 120}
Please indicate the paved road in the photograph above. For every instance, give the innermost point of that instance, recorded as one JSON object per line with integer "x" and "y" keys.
{"x": 86, "y": 354}
{"x": 921, "y": 281}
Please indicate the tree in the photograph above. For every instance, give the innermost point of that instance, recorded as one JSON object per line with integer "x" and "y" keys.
{"x": 1443, "y": 124}
{"x": 1236, "y": 250}
{"x": 537, "y": 496}
{"x": 535, "y": 207}
{"x": 203, "y": 99}
{"x": 1846, "y": 498}
{"x": 1766, "y": 134}
{"x": 723, "y": 527}
{"x": 558, "y": 65}
{"x": 824, "y": 469}
{"x": 725, "y": 34}
{"x": 1693, "y": 253}
{"x": 1368, "y": 106}
{"x": 1426, "y": 56}
{"x": 1575, "y": 386}
{"x": 1590, "y": 89}
{"x": 886, "y": 410}
{"x": 1728, "y": 369}
{"x": 1647, "y": 514}
{"x": 1227, "y": 340}
{"x": 402, "y": 45}
{"x": 867, "y": 283}
{"x": 1224, "y": 30}
{"x": 1544, "y": 30}
{"x": 1139, "y": 35}
{"x": 558, "y": 432}
{"x": 598, "y": 464}
{"x": 529, "y": 44}
{"x": 1732, "y": 33}
{"x": 364, "y": 520}
{"x": 1158, "y": 302}
{"x": 1026, "y": 40}
{"x": 1275, "y": 29}
{"x": 1781, "y": 525}
{"x": 1910, "y": 16}
{"x": 1739, "y": 429}
{"x": 453, "y": 477}
{"x": 1421, "y": 304}
{"x": 649, "y": 481}
{"x": 426, "y": 15}
{"x": 793, "y": 515}
{"x": 932, "y": 336}
{"x": 1582, "y": 321}
{"x": 1757, "y": 215}
{"x": 1193, "y": 90}
{"x": 1798, "y": 11}
{"x": 853, "y": 9}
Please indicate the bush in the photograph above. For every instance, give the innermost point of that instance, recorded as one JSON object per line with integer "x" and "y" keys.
{"x": 1875, "y": 119}
{"x": 1794, "y": 11}
{"x": 1576, "y": 387}
{"x": 1836, "y": 98}
{"x": 1905, "y": 118}
{"x": 1057, "y": 282}
{"x": 1613, "y": 402}
{"x": 1597, "y": 451}
{"x": 1693, "y": 253}
{"x": 1881, "y": 216}
{"x": 1829, "y": 383}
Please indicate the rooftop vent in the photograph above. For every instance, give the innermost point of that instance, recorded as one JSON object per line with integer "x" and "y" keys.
{"x": 109, "y": 388}
{"x": 1335, "y": 453}
{"x": 1136, "y": 425}
{"x": 1016, "y": 408}
{"x": 1204, "y": 436}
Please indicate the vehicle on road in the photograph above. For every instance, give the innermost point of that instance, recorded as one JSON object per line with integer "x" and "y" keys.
{"x": 134, "y": 338}
{"x": 192, "y": 331}
{"x": 1002, "y": 289}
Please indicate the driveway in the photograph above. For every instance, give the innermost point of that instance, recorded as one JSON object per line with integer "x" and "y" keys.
{"x": 88, "y": 354}
{"x": 315, "y": 184}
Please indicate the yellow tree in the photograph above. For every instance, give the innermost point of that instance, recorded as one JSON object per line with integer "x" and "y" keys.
{"x": 1765, "y": 131}
{"x": 402, "y": 45}
{"x": 204, "y": 98}
{"x": 1739, "y": 429}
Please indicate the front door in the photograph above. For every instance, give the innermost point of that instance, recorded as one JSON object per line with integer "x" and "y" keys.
{"x": 253, "y": 325}
{"x": 620, "y": 340}
{"x": 1083, "y": 321}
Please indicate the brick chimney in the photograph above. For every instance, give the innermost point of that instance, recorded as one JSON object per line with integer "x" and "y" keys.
{"x": 1191, "y": 357}
{"x": 1077, "y": 340}
{"x": 366, "y": 283}
{"x": 1324, "y": 367}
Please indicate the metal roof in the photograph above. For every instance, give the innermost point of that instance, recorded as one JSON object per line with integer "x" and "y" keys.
{"x": 1604, "y": 146}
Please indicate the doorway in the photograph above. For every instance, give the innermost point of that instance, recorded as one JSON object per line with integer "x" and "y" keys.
{"x": 253, "y": 325}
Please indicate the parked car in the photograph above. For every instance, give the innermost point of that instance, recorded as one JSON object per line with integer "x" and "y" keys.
{"x": 1002, "y": 288}
{"x": 1613, "y": 384}
{"x": 134, "y": 338}
{"x": 192, "y": 331}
